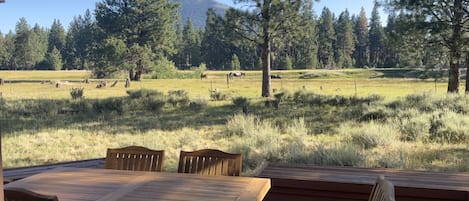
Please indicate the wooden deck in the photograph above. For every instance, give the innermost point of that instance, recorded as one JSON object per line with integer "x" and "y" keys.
{"x": 311, "y": 183}
{"x": 13, "y": 174}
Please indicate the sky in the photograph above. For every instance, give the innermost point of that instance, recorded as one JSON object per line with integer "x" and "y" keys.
{"x": 43, "y": 12}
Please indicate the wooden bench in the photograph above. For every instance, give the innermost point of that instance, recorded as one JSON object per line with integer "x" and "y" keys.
{"x": 308, "y": 182}
{"x": 13, "y": 174}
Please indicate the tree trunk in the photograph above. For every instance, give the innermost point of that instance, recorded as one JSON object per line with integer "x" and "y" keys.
{"x": 266, "y": 50}
{"x": 467, "y": 73}
{"x": 131, "y": 74}
{"x": 455, "y": 48}
{"x": 266, "y": 67}
{"x": 454, "y": 77}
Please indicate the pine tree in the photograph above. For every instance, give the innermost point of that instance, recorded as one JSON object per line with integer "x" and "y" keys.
{"x": 446, "y": 19}
{"x": 269, "y": 19}
{"x": 146, "y": 23}
{"x": 215, "y": 48}
{"x": 345, "y": 43}
{"x": 375, "y": 38}
{"x": 326, "y": 39}
{"x": 235, "y": 64}
{"x": 22, "y": 55}
{"x": 56, "y": 36}
{"x": 361, "y": 44}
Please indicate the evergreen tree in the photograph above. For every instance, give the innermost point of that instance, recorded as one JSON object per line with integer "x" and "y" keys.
{"x": 22, "y": 55}
{"x": 79, "y": 43}
{"x": 375, "y": 38}
{"x": 306, "y": 47}
{"x": 345, "y": 43}
{"x": 215, "y": 48}
{"x": 326, "y": 39}
{"x": 38, "y": 44}
{"x": 191, "y": 47}
{"x": 235, "y": 65}
{"x": 267, "y": 20}
{"x": 56, "y": 36}
{"x": 9, "y": 48}
{"x": 361, "y": 44}
{"x": 446, "y": 18}
{"x": 146, "y": 23}
{"x": 3, "y": 51}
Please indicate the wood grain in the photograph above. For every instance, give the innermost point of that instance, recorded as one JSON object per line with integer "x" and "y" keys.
{"x": 73, "y": 184}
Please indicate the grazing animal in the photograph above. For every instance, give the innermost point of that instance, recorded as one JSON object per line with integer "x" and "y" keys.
{"x": 2, "y": 81}
{"x": 276, "y": 76}
{"x": 114, "y": 83}
{"x": 101, "y": 84}
{"x": 127, "y": 83}
{"x": 203, "y": 76}
{"x": 236, "y": 74}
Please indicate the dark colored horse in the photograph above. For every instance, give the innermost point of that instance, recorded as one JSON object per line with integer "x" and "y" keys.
{"x": 236, "y": 74}
{"x": 275, "y": 76}
{"x": 203, "y": 76}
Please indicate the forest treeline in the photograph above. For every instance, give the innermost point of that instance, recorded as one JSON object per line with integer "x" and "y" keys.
{"x": 149, "y": 37}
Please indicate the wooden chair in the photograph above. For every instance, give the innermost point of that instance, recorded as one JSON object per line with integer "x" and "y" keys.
{"x": 134, "y": 158}
{"x": 20, "y": 194}
{"x": 210, "y": 162}
{"x": 383, "y": 190}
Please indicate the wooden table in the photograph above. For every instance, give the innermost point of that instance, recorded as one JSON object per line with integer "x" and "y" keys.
{"x": 82, "y": 184}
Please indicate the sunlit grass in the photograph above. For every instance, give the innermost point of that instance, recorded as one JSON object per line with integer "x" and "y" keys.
{"x": 292, "y": 133}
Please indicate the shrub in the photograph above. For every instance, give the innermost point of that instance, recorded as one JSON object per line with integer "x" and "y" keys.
{"x": 242, "y": 125}
{"x": 412, "y": 125}
{"x": 178, "y": 97}
{"x": 449, "y": 127}
{"x": 154, "y": 103}
{"x": 337, "y": 154}
{"x": 77, "y": 93}
{"x": 81, "y": 105}
{"x": 143, "y": 93}
{"x": 423, "y": 102}
{"x": 198, "y": 104}
{"x": 371, "y": 135}
{"x": 240, "y": 102}
{"x": 217, "y": 95}
{"x": 378, "y": 114}
{"x": 109, "y": 105}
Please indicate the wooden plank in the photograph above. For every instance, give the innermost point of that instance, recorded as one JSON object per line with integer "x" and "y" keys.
{"x": 341, "y": 183}
{"x": 82, "y": 184}
{"x": 12, "y": 174}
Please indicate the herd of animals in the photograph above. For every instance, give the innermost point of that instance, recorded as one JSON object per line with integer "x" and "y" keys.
{"x": 230, "y": 75}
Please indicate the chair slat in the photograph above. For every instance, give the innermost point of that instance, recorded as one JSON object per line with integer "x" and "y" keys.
{"x": 210, "y": 162}
{"x": 134, "y": 158}
{"x": 383, "y": 190}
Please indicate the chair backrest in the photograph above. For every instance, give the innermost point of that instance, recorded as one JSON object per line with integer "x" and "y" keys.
{"x": 134, "y": 158}
{"x": 210, "y": 162}
{"x": 20, "y": 194}
{"x": 383, "y": 190}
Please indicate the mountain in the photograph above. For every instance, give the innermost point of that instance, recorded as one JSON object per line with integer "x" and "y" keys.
{"x": 197, "y": 10}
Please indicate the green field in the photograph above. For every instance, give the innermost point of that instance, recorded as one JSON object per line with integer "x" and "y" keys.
{"x": 329, "y": 118}
{"x": 41, "y": 84}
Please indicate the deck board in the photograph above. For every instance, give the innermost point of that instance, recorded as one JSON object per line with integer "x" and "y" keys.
{"x": 303, "y": 182}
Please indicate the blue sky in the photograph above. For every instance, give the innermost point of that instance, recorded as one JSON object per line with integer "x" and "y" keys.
{"x": 44, "y": 12}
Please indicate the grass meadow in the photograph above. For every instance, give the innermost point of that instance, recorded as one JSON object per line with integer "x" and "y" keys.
{"x": 362, "y": 118}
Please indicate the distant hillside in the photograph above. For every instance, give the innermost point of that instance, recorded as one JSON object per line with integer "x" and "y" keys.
{"x": 197, "y": 10}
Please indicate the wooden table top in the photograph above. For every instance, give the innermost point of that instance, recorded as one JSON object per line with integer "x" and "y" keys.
{"x": 73, "y": 184}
